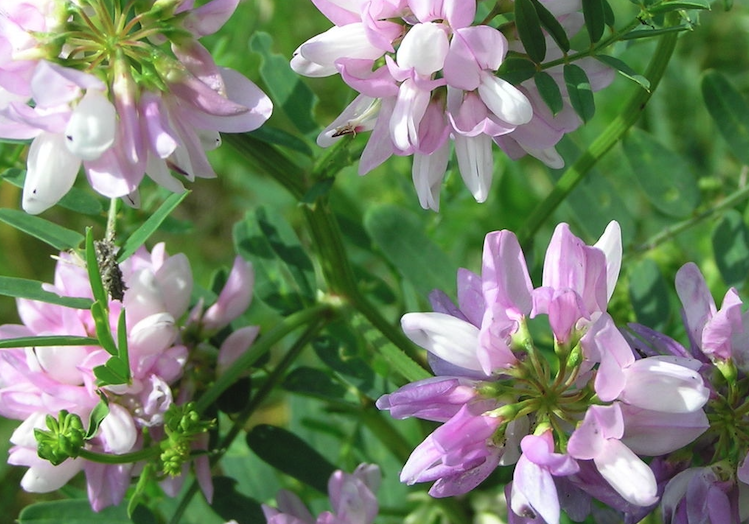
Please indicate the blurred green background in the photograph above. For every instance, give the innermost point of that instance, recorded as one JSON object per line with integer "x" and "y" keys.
{"x": 202, "y": 226}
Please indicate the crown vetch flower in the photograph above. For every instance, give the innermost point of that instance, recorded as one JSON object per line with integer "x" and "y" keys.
{"x": 712, "y": 484}
{"x": 425, "y": 75}
{"x": 352, "y": 498}
{"x": 502, "y": 402}
{"x": 38, "y": 382}
{"x": 113, "y": 100}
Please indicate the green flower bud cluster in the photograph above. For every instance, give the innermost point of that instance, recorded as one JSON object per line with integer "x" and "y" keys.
{"x": 182, "y": 424}
{"x": 63, "y": 439}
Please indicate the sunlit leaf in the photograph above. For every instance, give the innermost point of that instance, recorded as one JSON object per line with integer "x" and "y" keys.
{"x": 100, "y": 411}
{"x": 31, "y": 289}
{"x": 71, "y": 512}
{"x": 94, "y": 274}
{"x": 149, "y": 227}
{"x": 731, "y": 248}
{"x": 48, "y": 232}
{"x": 666, "y": 178}
{"x": 516, "y": 70}
{"x": 552, "y": 25}
{"x": 45, "y": 341}
{"x": 675, "y": 5}
{"x": 649, "y": 294}
{"x": 271, "y": 286}
{"x": 284, "y": 242}
{"x": 579, "y": 91}
{"x": 285, "y": 87}
{"x": 400, "y": 235}
{"x": 730, "y": 111}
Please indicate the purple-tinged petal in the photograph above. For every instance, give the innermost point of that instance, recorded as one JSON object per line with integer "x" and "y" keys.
{"x": 504, "y": 274}
{"x": 660, "y": 384}
{"x": 337, "y": 13}
{"x": 626, "y": 473}
{"x": 696, "y": 299}
{"x": 436, "y": 398}
{"x": 107, "y": 483}
{"x": 379, "y": 147}
{"x": 243, "y": 92}
{"x": 476, "y": 163}
{"x": 654, "y": 433}
{"x": 611, "y": 245}
{"x": 471, "y": 295}
{"x": 601, "y": 423}
{"x": 447, "y": 337}
{"x": 358, "y": 74}
{"x": 234, "y": 298}
{"x": 235, "y": 346}
{"x": 54, "y": 85}
{"x": 428, "y": 171}
{"x": 210, "y": 17}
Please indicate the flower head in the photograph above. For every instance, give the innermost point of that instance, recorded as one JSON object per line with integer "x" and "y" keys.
{"x": 113, "y": 101}
{"x": 502, "y": 402}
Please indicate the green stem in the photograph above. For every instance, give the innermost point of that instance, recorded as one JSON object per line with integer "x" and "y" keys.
{"x": 324, "y": 229}
{"x": 670, "y": 232}
{"x": 111, "y": 220}
{"x": 125, "y": 458}
{"x": 619, "y": 35}
{"x": 611, "y": 135}
{"x": 273, "y": 379}
{"x": 261, "y": 347}
{"x": 270, "y": 161}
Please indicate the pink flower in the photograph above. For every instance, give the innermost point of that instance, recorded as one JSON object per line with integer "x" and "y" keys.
{"x": 117, "y": 123}
{"x": 352, "y": 497}
{"x": 41, "y": 381}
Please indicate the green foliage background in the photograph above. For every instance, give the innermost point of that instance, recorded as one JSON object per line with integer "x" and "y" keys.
{"x": 202, "y": 226}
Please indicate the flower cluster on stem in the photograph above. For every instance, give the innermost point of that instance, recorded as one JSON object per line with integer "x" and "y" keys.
{"x": 427, "y": 77}
{"x": 54, "y": 389}
{"x": 352, "y": 497}
{"x": 573, "y": 418}
{"x": 708, "y": 481}
{"x": 122, "y": 91}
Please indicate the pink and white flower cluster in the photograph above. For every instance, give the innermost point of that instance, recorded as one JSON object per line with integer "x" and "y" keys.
{"x": 118, "y": 112}
{"x": 40, "y": 381}
{"x": 714, "y": 485}
{"x": 428, "y": 76}
{"x": 352, "y": 497}
{"x": 574, "y": 427}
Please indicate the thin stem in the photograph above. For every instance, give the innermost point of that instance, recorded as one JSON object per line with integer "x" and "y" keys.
{"x": 111, "y": 220}
{"x": 260, "y": 348}
{"x": 270, "y": 161}
{"x": 326, "y": 233}
{"x": 611, "y": 135}
{"x": 594, "y": 49}
{"x": 273, "y": 379}
{"x": 670, "y": 232}
{"x": 125, "y": 458}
